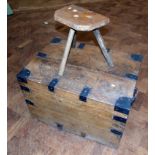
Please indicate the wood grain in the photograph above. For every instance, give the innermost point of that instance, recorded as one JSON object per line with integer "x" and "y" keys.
{"x": 64, "y": 106}
{"x": 123, "y": 63}
{"x": 126, "y": 33}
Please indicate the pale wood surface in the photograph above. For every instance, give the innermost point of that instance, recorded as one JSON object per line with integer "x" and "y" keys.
{"x": 92, "y": 58}
{"x": 38, "y": 138}
{"x": 75, "y": 78}
{"x": 79, "y": 18}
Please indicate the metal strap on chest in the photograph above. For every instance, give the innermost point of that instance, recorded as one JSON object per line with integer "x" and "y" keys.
{"x": 124, "y": 104}
{"x": 42, "y": 55}
{"x": 24, "y": 88}
{"x": 52, "y": 84}
{"x": 23, "y": 75}
{"x": 84, "y": 93}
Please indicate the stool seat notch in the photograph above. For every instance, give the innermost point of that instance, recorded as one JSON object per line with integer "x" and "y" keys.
{"x": 80, "y": 19}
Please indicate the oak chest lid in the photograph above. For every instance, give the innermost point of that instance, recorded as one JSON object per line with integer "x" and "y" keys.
{"x": 101, "y": 87}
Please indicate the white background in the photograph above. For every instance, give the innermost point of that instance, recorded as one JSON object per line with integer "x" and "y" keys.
{"x": 3, "y": 77}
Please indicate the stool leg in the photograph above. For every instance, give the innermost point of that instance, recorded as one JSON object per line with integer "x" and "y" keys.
{"x": 74, "y": 41}
{"x": 66, "y": 52}
{"x": 103, "y": 48}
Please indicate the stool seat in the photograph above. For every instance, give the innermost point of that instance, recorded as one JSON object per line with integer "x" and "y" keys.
{"x": 80, "y": 19}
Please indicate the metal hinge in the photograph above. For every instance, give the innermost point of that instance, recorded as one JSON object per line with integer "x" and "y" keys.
{"x": 29, "y": 102}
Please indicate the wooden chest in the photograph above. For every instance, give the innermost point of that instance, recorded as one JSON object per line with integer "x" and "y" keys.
{"x": 91, "y": 99}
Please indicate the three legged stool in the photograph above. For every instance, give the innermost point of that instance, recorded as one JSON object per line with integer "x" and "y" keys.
{"x": 80, "y": 19}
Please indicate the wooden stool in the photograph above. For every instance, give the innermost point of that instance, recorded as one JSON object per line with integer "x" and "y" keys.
{"x": 80, "y": 19}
